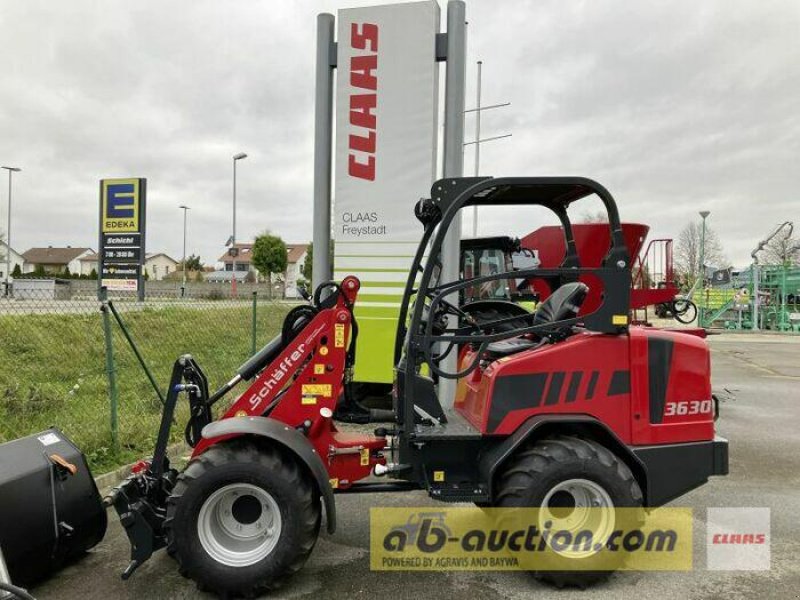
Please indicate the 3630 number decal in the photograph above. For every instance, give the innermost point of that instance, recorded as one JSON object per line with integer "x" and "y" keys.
{"x": 687, "y": 407}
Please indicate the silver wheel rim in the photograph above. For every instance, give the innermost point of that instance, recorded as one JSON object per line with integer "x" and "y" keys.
{"x": 239, "y": 525}
{"x": 576, "y": 505}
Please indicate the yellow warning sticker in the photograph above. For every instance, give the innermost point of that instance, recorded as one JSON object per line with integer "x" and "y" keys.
{"x": 309, "y": 399}
{"x": 364, "y": 457}
{"x": 323, "y": 350}
{"x": 338, "y": 335}
{"x": 317, "y": 389}
{"x": 334, "y": 483}
{"x": 438, "y": 475}
{"x": 319, "y": 369}
{"x": 619, "y": 320}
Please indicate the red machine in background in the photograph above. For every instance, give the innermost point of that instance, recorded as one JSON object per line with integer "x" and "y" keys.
{"x": 653, "y": 278}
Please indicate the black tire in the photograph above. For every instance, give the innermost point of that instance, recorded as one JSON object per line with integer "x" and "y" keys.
{"x": 243, "y": 463}
{"x": 539, "y": 468}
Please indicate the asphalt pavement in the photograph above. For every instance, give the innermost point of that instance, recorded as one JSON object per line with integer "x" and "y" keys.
{"x": 760, "y": 417}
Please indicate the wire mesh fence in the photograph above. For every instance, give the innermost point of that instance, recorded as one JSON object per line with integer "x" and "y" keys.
{"x": 54, "y": 367}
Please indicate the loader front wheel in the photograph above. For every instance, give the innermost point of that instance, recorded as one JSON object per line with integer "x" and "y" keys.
{"x": 242, "y": 518}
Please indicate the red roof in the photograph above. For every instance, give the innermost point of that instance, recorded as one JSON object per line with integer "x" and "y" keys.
{"x": 244, "y": 253}
{"x": 53, "y": 256}
{"x": 296, "y": 252}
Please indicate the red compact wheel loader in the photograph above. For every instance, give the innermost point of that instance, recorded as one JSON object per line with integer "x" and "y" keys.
{"x": 547, "y": 404}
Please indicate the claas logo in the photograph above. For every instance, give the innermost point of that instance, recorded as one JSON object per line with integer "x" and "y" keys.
{"x": 120, "y": 205}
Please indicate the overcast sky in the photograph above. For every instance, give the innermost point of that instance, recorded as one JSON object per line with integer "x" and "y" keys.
{"x": 675, "y": 106}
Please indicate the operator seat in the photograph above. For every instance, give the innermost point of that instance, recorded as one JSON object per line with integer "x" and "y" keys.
{"x": 562, "y": 304}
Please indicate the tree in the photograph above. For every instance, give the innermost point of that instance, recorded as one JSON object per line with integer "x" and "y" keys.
{"x": 783, "y": 249}
{"x": 67, "y": 274}
{"x": 17, "y": 272}
{"x": 93, "y": 274}
{"x": 193, "y": 263}
{"x": 308, "y": 264}
{"x": 687, "y": 251}
{"x": 39, "y": 271}
{"x": 270, "y": 256}
{"x": 597, "y": 216}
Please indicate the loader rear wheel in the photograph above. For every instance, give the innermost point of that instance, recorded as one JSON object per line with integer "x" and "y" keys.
{"x": 564, "y": 476}
{"x": 242, "y": 518}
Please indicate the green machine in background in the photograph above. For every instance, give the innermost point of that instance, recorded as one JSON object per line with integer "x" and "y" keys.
{"x": 761, "y": 297}
{"x": 731, "y": 304}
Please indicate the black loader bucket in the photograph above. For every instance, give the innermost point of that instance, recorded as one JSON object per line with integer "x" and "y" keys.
{"x": 50, "y": 509}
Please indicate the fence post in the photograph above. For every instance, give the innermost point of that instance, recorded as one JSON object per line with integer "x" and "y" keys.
{"x": 255, "y": 309}
{"x": 110, "y": 372}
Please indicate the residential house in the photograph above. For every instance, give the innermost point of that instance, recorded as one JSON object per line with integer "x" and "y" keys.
{"x": 158, "y": 265}
{"x": 9, "y": 257}
{"x": 54, "y": 260}
{"x": 243, "y": 260}
{"x": 89, "y": 263}
{"x": 244, "y": 266}
{"x": 294, "y": 268}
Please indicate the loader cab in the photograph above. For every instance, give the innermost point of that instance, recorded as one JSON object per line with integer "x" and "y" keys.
{"x": 437, "y": 327}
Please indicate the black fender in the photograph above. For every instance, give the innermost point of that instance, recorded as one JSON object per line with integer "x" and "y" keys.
{"x": 292, "y": 440}
{"x": 540, "y": 426}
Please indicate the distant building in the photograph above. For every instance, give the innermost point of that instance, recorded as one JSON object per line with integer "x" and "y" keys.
{"x": 88, "y": 264}
{"x": 296, "y": 256}
{"x": 17, "y": 259}
{"x": 54, "y": 260}
{"x": 243, "y": 260}
{"x": 294, "y": 268}
{"x": 157, "y": 266}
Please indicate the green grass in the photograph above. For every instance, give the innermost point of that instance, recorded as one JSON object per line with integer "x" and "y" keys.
{"x": 52, "y": 370}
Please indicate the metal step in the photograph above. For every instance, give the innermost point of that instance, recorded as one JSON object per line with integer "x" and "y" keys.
{"x": 456, "y": 428}
{"x": 458, "y": 494}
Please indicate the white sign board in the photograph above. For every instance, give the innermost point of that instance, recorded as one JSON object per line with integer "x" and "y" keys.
{"x": 386, "y": 134}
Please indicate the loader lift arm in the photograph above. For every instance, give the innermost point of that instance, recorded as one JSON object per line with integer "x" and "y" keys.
{"x": 141, "y": 500}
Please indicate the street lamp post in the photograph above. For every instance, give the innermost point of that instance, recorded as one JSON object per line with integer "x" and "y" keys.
{"x": 185, "y": 210}
{"x": 477, "y": 146}
{"x": 8, "y": 228}
{"x": 704, "y": 214}
{"x": 233, "y": 250}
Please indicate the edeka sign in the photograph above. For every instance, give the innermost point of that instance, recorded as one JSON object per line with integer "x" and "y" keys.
{"x": 120, "y": 205}
{"x": 386, "y": 132}
{"x": 122, "y": 233}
